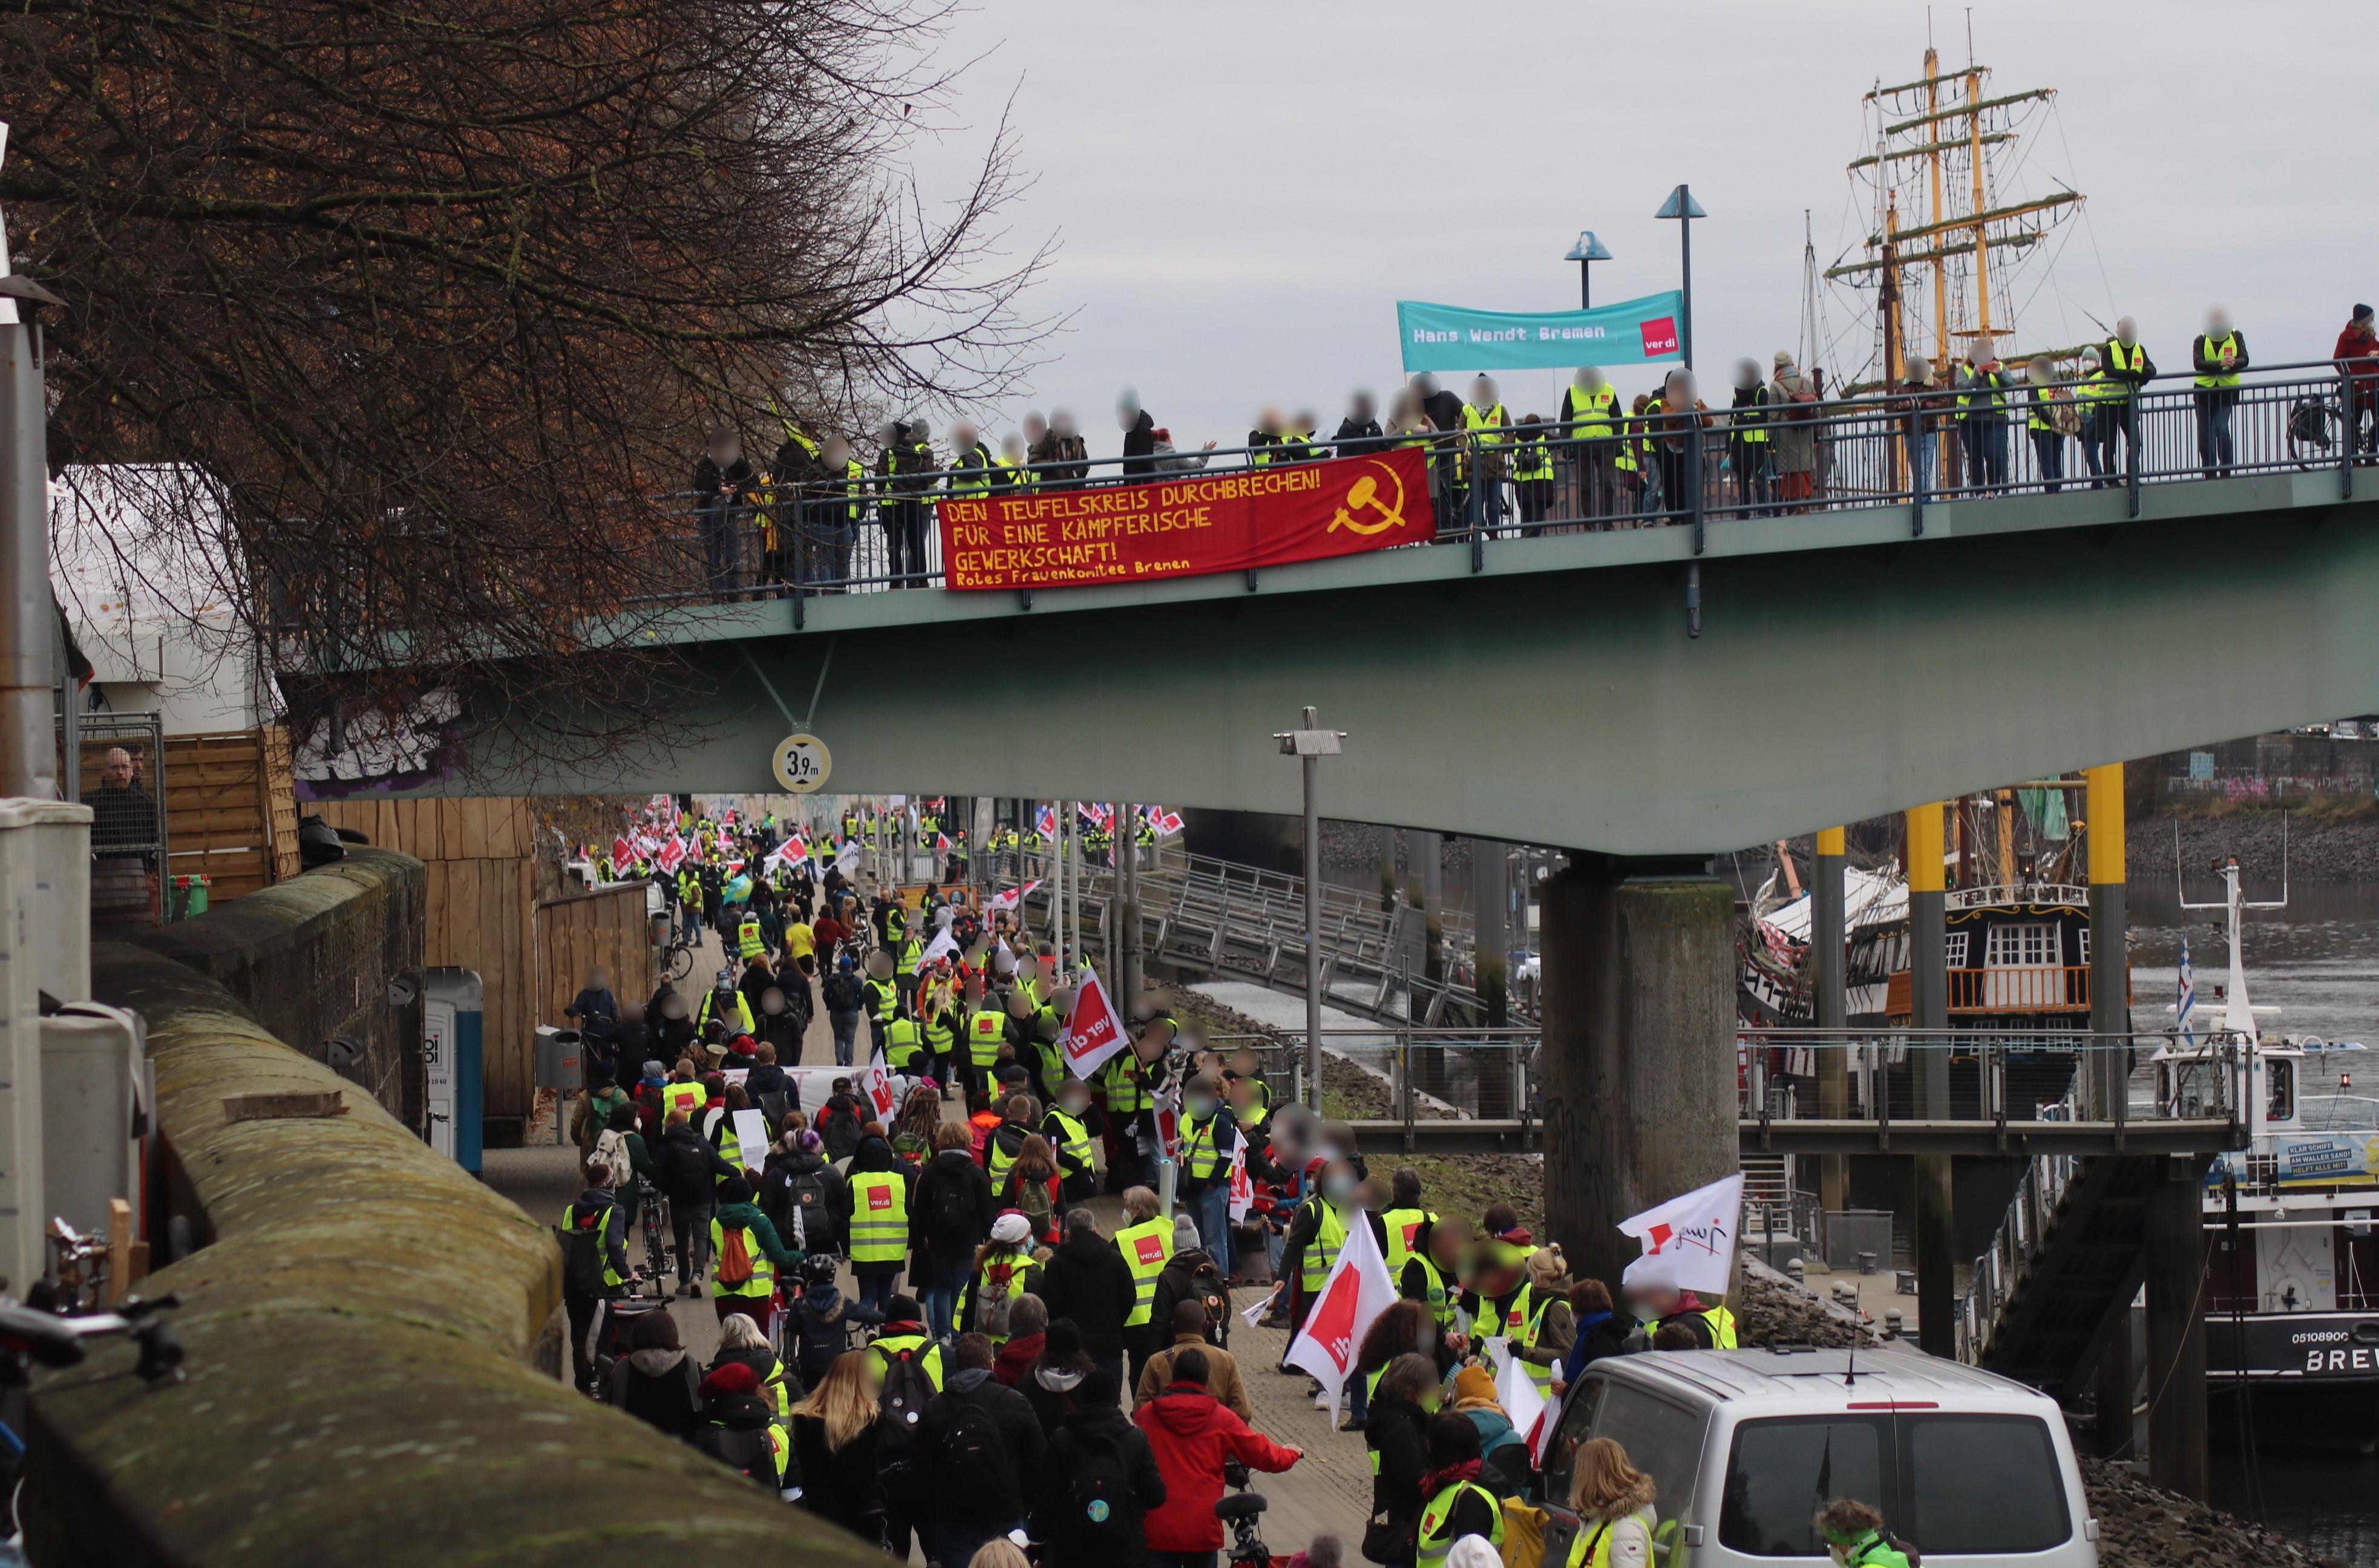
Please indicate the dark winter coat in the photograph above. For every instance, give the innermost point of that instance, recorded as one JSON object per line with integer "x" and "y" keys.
{"x": 1086, "y": 1279}
{"x": 1053, "y": 1520}
{"x": 1002, "y": 1498}
{"x": 939, "y": 1245}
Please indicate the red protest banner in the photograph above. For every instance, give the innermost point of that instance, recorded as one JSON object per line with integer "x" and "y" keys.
{"x": 1190, "y": 525}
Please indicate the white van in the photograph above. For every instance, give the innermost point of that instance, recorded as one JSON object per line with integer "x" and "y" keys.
{"x": 1968, "y": 1467}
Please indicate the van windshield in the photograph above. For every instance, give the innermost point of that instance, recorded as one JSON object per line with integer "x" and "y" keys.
{"x": 1963, "y": 1484}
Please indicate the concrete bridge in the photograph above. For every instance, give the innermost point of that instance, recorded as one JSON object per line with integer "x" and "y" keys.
{"x": 1547, "y": 691}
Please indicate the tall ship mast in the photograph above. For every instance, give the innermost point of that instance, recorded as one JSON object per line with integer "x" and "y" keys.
{"x": 1952, "y": 235}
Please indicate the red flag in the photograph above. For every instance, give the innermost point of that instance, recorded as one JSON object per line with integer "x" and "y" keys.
{"x": 621, "y": 854}
{"x": 672, "y": 855}
{"x": 1357, "y": 1292}
{"x": 1093, "y": 1032}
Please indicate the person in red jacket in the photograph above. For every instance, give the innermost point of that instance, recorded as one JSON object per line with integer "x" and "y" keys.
{"x": 2357, "y": 360}
{"x": 1193, "y": 1433}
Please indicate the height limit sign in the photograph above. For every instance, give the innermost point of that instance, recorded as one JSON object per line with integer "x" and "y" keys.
{"x": 801, "y": 762}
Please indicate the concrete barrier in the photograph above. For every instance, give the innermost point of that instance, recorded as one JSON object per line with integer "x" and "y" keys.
{"x": 371, "y": 1350}
{"x": 312, "y": 958}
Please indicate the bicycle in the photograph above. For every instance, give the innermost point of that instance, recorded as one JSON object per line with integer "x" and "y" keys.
{"x": 677, "y": 955}
{"x": 2312, "y": 421}
{"x": 30, "y": 1334}
{"x": 653, "y": 1214}
{"x": 1240, "y": 1510}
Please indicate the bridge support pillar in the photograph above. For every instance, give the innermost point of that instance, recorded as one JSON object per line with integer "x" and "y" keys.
{"x": 1490, "y": 899}
{"x": 1928, "y": 990}
{"x": 1638, "y": 1065}
{"x": 1830, "y": 977}
{"x": 2176, "y": 1243}
{"x": 2106, "y": 1072}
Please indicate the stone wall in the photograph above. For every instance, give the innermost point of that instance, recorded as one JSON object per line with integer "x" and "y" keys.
{"x": 311, "y": 960}
{"x": 371, "y": 1341}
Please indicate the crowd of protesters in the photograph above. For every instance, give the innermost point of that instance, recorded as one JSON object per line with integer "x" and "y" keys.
{"x": 1780, "y": 442}
{"x": 928, "y": 1335}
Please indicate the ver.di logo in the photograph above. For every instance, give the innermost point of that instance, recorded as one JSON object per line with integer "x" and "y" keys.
{"x": 1362, "y": 498}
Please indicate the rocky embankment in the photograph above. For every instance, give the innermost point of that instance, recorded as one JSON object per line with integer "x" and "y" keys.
{"x": 2322, "y": 846}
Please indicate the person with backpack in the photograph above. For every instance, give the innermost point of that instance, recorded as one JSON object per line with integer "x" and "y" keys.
{"x": 1454, "y": 1505}
{"x": 1099, "y": 1483}
{"x": 1194, "y": 1435}
{"x": 821, "y": 1318}
{"x": 656, "y": 1382}
{"x": 1615, "y": 1522}
{"x": 1027, "y": 1334}
{"x": 739, "y": 1429}
{"x": 595, "y": 1108}
{"x": 689, "y": 1170}
{"x": 950, "y": 1218}
{"x": 799, "y": 1181}
{"x": 1191, "y": 1274}
{"x": 842, "y": 1121}
{"x": 835, "y": 1437}
{"x": 909, "y": 1369}
{"x": 1191, "y": 1327}
{"x": 1054, "y": 1381}
{"x": 1503, "y": 1466}
{"x": 914, "y": 1129}
{"x": 843, "y": 999}
{"x": 621, "y": 1149}
{"x": 746, "y": 1253}
{"x": 980, "y": 1443}
{"x": 769, "y": 1086}
{"x": 1004, "y": 1270}
{"x": 594, "y": 1265}
{"x": 1033, "y": 1188}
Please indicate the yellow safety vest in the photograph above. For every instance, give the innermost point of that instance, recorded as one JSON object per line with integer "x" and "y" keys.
{"x": 1146, "y": 1248}
{"x": 1492, "y": 419}
{"x": 602, "y": 1238}
{"x": 686, "y": 1097}
{"x": 1590, "y": 1547}
{"x": 986, "y": 1027}
{"x": 764, "y": 1269}
{"x": 879, "y": 1217}
{"x": 1972, "y": 403}
{"x": 1126, "y": 1094}
{"x": 996, "y": 1158}
{"x": 1073, "y": 1138}
{"x": 885, "y": 997}
{"x": 1534, "y": 460}
{"x": 888, "y": 1346}
{"x": 737, "y": 1018}
{"x": 2133, "y": 359}
{"x": 1199, "y": 1157}
{"x": 1441, "y": 1301}
{"x": 1433, "y": 1541}
{"x": 1722, "y": 1322}
{"x": 1328, "y": 1236}
{"x": 1589, "y": 414}
{"x": 747, "y": 938}
{"x": 2213, "y": 352}
{"x": 976, "y": 481}
{"x": 1017, "y": 1262}
{"x": 1751, "y": 420}
{"x": 1403, "y": 1227}
{"x": 940, "y": 1034}
{"x": 904, "y": 1044}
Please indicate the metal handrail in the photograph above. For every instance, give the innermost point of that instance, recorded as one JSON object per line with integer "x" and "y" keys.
{"x": 2291, "y": 418}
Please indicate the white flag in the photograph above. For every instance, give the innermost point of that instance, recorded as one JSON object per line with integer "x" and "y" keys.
{"x": 942, "y": 946}
{"x": 845, "y": 859}
{"x": 1243, "y": 1191}
{"x": 1517, "y": 1391}
{"x": 1358, "y": 1290}
{"x": 1093, "y": 1032}
{"x": 1689, "y": 1241}
{"x": 1013, "y": 897}
{"x": 875, "y": 1081}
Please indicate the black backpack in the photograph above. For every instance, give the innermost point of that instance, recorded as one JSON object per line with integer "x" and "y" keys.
{"x": 837, "y": 1124}
{"x": 948, "y": 1213}
{"x": 1101, "y": 1511}
{"x": 808, "y": 1193}
{"x": 738, "y": 1449}
{"x": 582, "y": 1253}
{"x": 970, "y": 1462}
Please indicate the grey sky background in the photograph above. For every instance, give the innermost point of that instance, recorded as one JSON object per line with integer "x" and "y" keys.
{"x": 1241, "y": 191}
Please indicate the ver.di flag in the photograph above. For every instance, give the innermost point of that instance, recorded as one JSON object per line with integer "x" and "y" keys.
{"x": 1689, "y": 1241}
{"x": 1243, "y": 1191}
{"x": 943, "y": 946}
{"x": 1013, "y": 898}
{"x": 1093, "y": 1032}
{"x": 875, "y": 1082}
{"x": 1357, "y": 1292}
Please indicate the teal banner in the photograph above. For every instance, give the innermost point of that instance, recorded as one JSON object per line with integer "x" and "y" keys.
{"x": 1447, "y": 337}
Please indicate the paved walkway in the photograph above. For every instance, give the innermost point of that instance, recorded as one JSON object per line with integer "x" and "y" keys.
{"x": 1329, "y": 1489}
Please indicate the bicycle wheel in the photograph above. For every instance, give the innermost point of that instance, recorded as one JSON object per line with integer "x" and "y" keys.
{"x": 681, "y": 962}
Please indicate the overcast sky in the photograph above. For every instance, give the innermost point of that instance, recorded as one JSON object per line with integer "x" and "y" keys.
{"x": 1241, "y": 191}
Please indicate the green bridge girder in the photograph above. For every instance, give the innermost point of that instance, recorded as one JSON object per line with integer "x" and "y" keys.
{"x": 1845, "y": 669}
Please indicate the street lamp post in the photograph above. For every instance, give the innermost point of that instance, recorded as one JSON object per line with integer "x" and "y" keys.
{"x": 1310, "y": 745}
{"x": 1586, "y": 253}
{"x": 1682, "y": 206}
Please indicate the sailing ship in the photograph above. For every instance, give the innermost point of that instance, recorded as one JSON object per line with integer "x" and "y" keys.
{"x": 1952, "y": 228}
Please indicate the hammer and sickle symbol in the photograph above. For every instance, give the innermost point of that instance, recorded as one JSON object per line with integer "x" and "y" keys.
{"x": 1362, "y": 500}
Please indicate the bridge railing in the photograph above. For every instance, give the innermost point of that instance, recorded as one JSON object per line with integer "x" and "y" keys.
{"x": 1415, "y": 1073}
{"x": 1979, "y": 1076}
{"x": 1887, "y": 448}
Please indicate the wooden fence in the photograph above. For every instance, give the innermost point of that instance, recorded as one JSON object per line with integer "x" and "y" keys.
{"x": 482, "y": 914}
{"x": 231, "y": 806}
